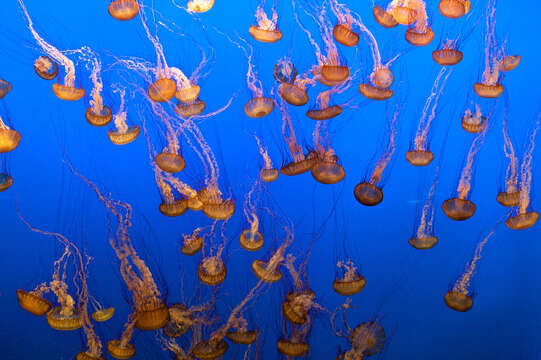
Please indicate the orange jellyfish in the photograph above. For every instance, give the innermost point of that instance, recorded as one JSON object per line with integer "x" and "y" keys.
{"x": 509, "y": 62}
{"x": 122, "y": 134}
{"x": 242, "y": 333}
{"x": 454, "y": 9}
{"x": 265, "y": 29}
{"x": 324, "y": 110}
{"x": 511, "y": 195}
{"x": 292, "y": 88}
{"x": 460, "y": 297}
{"x": 9, "y": 138}
{"x": 412, "y": 13}
{"x": 343, "y": 30}
{"x": 67, "y": 91}
{"x": 192, "y": 243}
{"x": 199, "y": 6}
{"x": 474, "y": 122}
{"x": 327, "y": 168}
{"x": 369, "y": 192}
{"x": 524, "y": 217}
{"x": 350, "y": 282}
{"x": 461, "y": 207}
{"x": 267, "y": 173}
{"x": 251, "y": 238}
{"x": 423, "y": 237}
{"x": 285, "y": 71}
{"x": 5, "y": 180}
{"x": 269, "y": 271}
{"x": 46, "y": 68}
{"x": 448, "y": 54}
{"x": 123, "y": 10}
{"x": 383, "y": 17}
{"x": 5, "y": 87}
{"x": 212, "y": 270}
{"x": 420, "y": 154}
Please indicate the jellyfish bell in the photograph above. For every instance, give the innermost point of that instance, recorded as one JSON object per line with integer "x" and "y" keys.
{"x": 123, "y": 10}
{"x": 384, "y": 18}
{"x": 474, "y": 125}
{"x": 162, "y": 90}
{"x": 349, "y": 287}
{"x": 195, "y": 203}
{"x": 119, "y": 351}
{"x": 293, "y": 308}
{"x": 33, "y": 303}
{"x": 293, "y": 94}
{"x": 9, "y": 139}
{"x": 454, "y": 9}
{"x": 193, "y": 246}
{"x": 260, "y": 269}
{"x": 259, "y": 107}
{"x": 509, "y": 62}
{"x": 368, "y": 337}
{"x": 374, "y": 93}
{"x": 180, "y": 321}
{"x": 321, "y": 79}
{"x": 244, "y": 337}
{"x": 447, "y": 57}
{"x": 46, "y": 68}
{"x": 328, "y": 170}
{"x": 188, "y": 95}
{"x": 300, "y": 167}
{"x": 102, "y": 118}
{"x": 488, "y": 91}
{"x": 458, "y": 209}
{"x": 174, "y": 208}
{"x": 190, "y": 109}
{"x": 211, "y": 271}
{"x": 293, "y": 349}
{"x": 264, "y": 35}
{"x": 86, "y": 356}
{"x": 522, "y": 221}
{"x": 268, "y": 175}
{"x": 326, "y": 113}
{"x": 5, "y": 87}
{"x": 458, "y": 301}
{"x": 200, "y": 6}
{"x": 68, "y": 93}
{"x": 416, "y": 38}
{"x": 423, "y": 242}
{"x": 151, "y": 316}
{"x": 118, "y": 137}
{"x": 62, "y": 320}
{"x": 250, "y": 240}
{"x": 170, "y": 162}
{"x": 5, "y": 181}
{"x": 404, "y": 15}
{"x": 219, "y": 209}
{"x": 368, "y": 194}
{"x": 284, "y": 71}
{"x": 344, "y": 35}
{"x": 419, "y": 157}
{"x": 334, "y": 73}
{"x": 508, "y": 199}
{"x": 383, "y": 78}
{"x": 103, "y": 315}
{"x": 209, "y": 349}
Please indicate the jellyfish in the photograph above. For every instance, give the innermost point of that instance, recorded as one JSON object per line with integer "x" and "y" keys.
{"x": 301, "y": 300}
{"x": 351, "y": 282}
{"x": 251, "y": 238}
{"x": 46, "y": 68}
{"x": 474, "y": 122}
{"x": 511, "y": 195}
{"x": 509, "y": 62}
{"x": 67, "y": 316}
{"x": 67, "y": 91}
{"x": 242, "y": 334}
{"x": 327, "y": 168}
{"x": 461, "y": 207}
{"x": 267, "y": 173}
{"x": 171, "y": 205}
{"x": 269, "y": 271}
{"x": 384, "y": 17}
{"x": 454, "y": 9}
{"x": 9, "y": 138}
{"x": 460, "y": 297}
{"x": 524, "y": 217}
{"x": 5, "y": 87}
{"x": 292, "y": 87}
{"x": 199, "y": 6}
{"x": 123, "y": 10}
{"x": 324, "y": 110}
{"x": 411, "y": 13}
{"x": 448, "y": 54}
{"x": 265, "y": 29}
{"x": 343, "y": 30}
{"x": 122, "y": 134}
{"x": 285, "y": 71}
{"x": 212, "y": 270}
{"x": 5, "y": 181}
{"x": 423, "y": 237}
{"x": 420, "y": 154}
{"x": 192, "y": 243}
{"x": 180, "y": 321}
{"x": 369, "y": 192}
{"x": 100, "y": 313}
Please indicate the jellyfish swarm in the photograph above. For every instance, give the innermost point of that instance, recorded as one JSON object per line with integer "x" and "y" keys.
{"x": 351, "y": 282}
{"x": 474, "y": 122}
{"x": 424, "y": 238}
{"x": 46, "y": 68}
{"x": 524, "y": 217}
{"x": 420, "y": 155}
{"x": 200, "y": 6}
{"x": 5, "y": 87}
{"x": 448, "y": 54}
{"x": 454, "y": 9}
{"x": 265, "y": 29}
{"x": 461, "y": 208}
{"x": 123, "y": 10}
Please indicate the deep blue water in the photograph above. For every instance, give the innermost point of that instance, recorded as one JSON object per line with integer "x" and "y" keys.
{"x": 405, "y": 287}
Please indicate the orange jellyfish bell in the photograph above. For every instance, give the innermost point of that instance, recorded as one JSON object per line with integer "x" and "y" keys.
{"x": 522, "y": 221}
{"x": 170, "y": 162}
{"x": 299, "y": 167}
{"x": 293, "y": 311}
{"x": 64, "y": 322}
{"x": 33, "y": 303}
{"x": 123, "y": 10}
{"x": 384, "y": 18}
{"x": 152, "y": 316}
{"x": 458, "y": 301}
{"x": 102, "y": 118}
{"x": 419, "y": 38}
{"x": 508, "y": 199}
{"x": 374, "y": 93}
{"x": 370, "y": 335}
{"x": 348, "y": 287}
{"x": 260, "y": 269}
{"x": 162, "y": 90}
{"x": 259, "y": 107}
{"x": 454, "y": 9}
{"x": 188, "y": 95}
{"x": 334, "y": 73}
{"x": 174, "y": 208}
{"x": 447, "y": 56}
{"x": 419, "y": 157}
{"x": 458, "y": 209}
{"x": 268, "y": 175}
{"x": 212, "y": 271}
{"x": 219, "y": 209}
{"x": 46, "y": 68}
{"x": 474, "y": 126}
{"x": 244, "y": 337}
{"x": 120, "y": 351}
{"x": 5, "y": 87}
{"x": 509, "y": 62}
{"x": 345, "y": 36}
{"x": 123, "y": 138}
{"x": 324, "y": 114}
{"x": 383, "y": 78}
{"x": 86, "y": 356}
{"x": 293, "y": 349}
{"x": 9, "y": 139}
{"x": 423, "y": 242}
{"x": 200, "y": 6}
{"x": 293, "y": 94}
{"x": 328, "y": 171}
{"x": 68, "y": 93}
{"x": 368, "y": 194}
{"x": 5, "y": 181}
{"x": 209, "y": 349}
{"x": 404, "y": 15}
{"x": 180, "y": 321}
{"x": 193, "y": 246}
{"x": 250, "y": 240}
{"x": 103, "y": 314}
{"x": 191, "y": 109}
{"x": 263, "y": 35}
{"x": 488, "y": 91}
